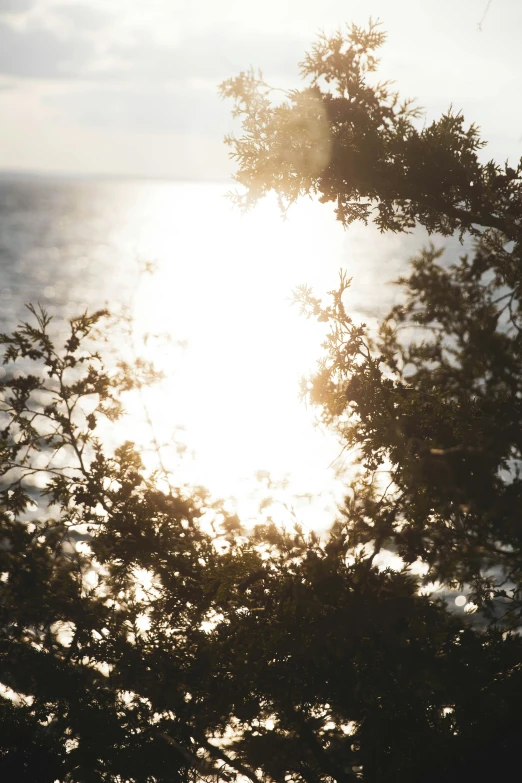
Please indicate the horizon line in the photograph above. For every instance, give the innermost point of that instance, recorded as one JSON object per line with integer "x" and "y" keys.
{"x": 16, "y": 173}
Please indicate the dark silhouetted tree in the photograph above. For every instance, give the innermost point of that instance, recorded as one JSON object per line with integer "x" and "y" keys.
{"x": 434, "y": 398}
{"x": 140, "y": 643}
{"x": 429, "y": 404}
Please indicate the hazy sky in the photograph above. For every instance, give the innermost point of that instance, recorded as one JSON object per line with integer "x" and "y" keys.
{"x": 128, "y": 87}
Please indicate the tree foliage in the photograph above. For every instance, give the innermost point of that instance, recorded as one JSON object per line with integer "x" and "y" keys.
{"x": 136, "y": 645}
{"x": 146, "y": 637}
{"x": 433, "y": 400}
{"x": 353, "y": 141}
{"x": 429, "y": 404}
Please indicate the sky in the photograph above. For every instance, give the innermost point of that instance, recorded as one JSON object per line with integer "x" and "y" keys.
{"x": 126, "y": 87}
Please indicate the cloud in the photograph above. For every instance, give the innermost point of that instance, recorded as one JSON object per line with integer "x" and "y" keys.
{"x": 39, "y": 53}
{"x": 15, "y": 6}
{"x": 119, "y": 81}
{"x": 78, "y": 41}
{"x": 83, "y": 16}
{"x": 211, "y": 56}
{"x": 159, "y": 110}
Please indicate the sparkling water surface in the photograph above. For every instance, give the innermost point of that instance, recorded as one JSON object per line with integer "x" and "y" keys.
{"x": 217, "y": 310}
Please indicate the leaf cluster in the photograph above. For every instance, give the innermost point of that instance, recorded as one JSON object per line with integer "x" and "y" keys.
{"x": 352, "y": 141}
{"x": 139, "y": 644}
{"x": 146, "y": 637}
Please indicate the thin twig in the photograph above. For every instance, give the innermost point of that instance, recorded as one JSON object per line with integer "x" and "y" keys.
{"x": 484, "y": 15}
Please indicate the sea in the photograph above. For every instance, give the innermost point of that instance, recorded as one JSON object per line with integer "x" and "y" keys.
{"x": 209, "y": 290}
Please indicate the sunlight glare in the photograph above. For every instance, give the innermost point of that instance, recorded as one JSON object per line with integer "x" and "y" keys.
{"x": 236, "y": 348}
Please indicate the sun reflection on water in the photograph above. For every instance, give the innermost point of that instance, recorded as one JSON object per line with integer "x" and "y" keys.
{"x": 217, "y": 321}
{"x": 215, "y": 317}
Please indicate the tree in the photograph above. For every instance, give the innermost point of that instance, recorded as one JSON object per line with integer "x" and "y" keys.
{"x": 105, "y": 578}
{"x": 145, "y": 636}
{"x": 135, "y": 646}
{"x": 430, "y": 404}
{"x": 356, "y": 143}
{"x": 438, "y": 410}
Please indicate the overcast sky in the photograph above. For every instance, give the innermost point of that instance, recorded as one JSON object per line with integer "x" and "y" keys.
{"x": 129, "y": 87}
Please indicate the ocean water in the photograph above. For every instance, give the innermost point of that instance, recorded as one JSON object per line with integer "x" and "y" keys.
{"x": 217, "y": 314}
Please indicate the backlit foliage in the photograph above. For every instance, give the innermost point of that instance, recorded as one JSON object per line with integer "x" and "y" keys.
{"x": 353, "y": 141}
{"x": 146, "y": 637}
